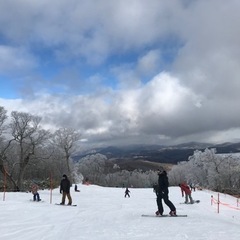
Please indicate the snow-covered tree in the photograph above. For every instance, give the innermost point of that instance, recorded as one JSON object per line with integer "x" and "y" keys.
{"x": 208, "y": 169}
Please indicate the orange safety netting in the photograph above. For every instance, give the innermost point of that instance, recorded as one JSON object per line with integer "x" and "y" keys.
{"x": 216, "y": 201}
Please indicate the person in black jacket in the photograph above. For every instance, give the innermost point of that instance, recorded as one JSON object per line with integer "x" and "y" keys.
{"x": 162, "y": 193}
{"x": 65, "y": 190}
{"x": 127, "y": 192}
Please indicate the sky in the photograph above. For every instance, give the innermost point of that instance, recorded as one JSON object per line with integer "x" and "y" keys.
{"x": 103, "y": 213}
{"x": 124, "y": 72}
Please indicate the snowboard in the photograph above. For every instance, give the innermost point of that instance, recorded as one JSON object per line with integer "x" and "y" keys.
{"x": 36, "y": 200}
{"x": 195, "y": 201}
{"x": 164, "y": 215}
{"x": 73, "y": 205}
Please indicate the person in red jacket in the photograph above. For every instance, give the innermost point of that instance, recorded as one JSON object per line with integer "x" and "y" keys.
{"x": 187, "y": 191}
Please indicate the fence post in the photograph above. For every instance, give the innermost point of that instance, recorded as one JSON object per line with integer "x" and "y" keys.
{"x": 218, "y": 203}
{"x": 4, "y": 184}
{"x": 50, "y": 188}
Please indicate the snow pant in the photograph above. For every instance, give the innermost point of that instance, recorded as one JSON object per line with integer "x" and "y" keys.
{"x": 190, "y": 198}
{"x": 164, "y": 196}
{"x": 36, "y": 197}
{"x": 127, "y": 194}
{"x": 64, "y": 194}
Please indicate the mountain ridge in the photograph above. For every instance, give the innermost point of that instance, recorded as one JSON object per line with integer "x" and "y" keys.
{"x": 158, "y": 153}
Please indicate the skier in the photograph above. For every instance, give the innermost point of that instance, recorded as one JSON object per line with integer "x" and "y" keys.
{"x": 36, "y": 196}
{"x": 187, "y": 191}
{"x": 162, "y": 193}
{"x": 127, "y": 192}
{"x": 65, "y": 190}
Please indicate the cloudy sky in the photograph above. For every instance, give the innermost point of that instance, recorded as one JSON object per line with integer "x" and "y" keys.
{"x": 129, "y": 71}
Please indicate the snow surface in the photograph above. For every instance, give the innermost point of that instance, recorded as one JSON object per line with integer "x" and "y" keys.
{"x": 104, "y": 214}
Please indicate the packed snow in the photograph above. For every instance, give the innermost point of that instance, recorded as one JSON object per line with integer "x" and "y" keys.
{"x": 104, "y": 213}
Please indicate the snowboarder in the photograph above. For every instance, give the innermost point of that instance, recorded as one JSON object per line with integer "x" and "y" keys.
{"x": 187, "y": 191}
{"x": 127, "y": 192}
{"x": 162, "y": 193}
{"x": 34, "y": 190}
{"x": 65, "y": 190}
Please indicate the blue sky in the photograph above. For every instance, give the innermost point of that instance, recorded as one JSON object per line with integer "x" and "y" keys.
{"x": 6, "y": 90}
{"x": 146, "y": 71}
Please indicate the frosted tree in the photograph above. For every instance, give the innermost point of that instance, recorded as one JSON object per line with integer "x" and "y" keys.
{"x": 4, "y": 146}
{"x": 208, "y": 169}
{"x": 25, "y": 137}
{"x": 65, "y": 139}
{"x": 229, "y": 172}
{"x": 179, "y": 173}
{"x": 92, "y": 167}
{"x": 197, "y": 168}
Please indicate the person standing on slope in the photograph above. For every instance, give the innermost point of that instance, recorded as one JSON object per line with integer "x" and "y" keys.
{"x": 127, "y": 192}
{"x": 65, "y": 190}
{"x": 36, "y": 196}
{"x": 186, "y": 189}
{"x": 162, "y": 193}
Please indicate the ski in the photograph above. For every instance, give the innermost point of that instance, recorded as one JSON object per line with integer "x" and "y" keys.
{"x": 66, "y": 205}
{"x": 164, "y": 215}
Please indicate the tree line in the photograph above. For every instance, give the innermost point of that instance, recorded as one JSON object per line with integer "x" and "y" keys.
{"x": 206, "y": 169}
{"x": 218, "y": 172}
{"x": 29, "y": 153}
{"x": 97, "y": 169}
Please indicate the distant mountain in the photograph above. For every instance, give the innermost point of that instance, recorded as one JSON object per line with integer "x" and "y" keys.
{"x": 158, "y": 153}
{"x": 228, "y": 147}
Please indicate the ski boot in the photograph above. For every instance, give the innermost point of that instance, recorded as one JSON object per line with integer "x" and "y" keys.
{"x": 173, "y": 213}
{"x": 158, "y": 213}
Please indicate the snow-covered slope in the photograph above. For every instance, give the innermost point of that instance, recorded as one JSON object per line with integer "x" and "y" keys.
{"x": 104, "y": 214}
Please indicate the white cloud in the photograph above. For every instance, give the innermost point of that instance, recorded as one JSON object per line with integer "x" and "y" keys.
{"x": 129, "y": 112}
{"x": 14, "y": 60}
{"x": 196, "y": 97}
{"x": 149, "y": 63}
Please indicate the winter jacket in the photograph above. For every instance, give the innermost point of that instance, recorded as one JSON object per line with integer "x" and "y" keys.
{"x": 34, "y": 189}
{"x": 185, "y": 189}
{"x": 127, "y": 191}
{"x": 163, "y": 183}
{"x": 65, "y": 185}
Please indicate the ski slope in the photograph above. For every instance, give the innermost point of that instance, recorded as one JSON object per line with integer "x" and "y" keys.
{"x": 104, "y": 214}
